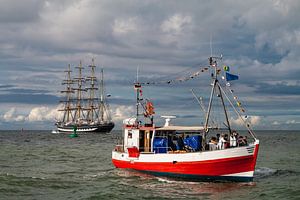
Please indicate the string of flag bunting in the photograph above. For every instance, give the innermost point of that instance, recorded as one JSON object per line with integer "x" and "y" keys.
{"x": 231, "y": 77}
{"x": 178, "y": 79}
{"x": 228, "y": 77}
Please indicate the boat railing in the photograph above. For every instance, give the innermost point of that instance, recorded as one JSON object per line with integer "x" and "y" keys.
{"x": 119, "y": 148}
{"x": 215, "y": 147}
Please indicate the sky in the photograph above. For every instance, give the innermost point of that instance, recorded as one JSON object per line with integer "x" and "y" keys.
{"x": 258, "y": 40}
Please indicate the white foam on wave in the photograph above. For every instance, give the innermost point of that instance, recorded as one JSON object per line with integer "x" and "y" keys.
{"x": 34, "y": 177}
{"x": 165, "y": 180}
{"x": 264, "y": 172}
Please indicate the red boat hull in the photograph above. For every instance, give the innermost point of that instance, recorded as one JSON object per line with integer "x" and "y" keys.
{"x": 238, "y": 168}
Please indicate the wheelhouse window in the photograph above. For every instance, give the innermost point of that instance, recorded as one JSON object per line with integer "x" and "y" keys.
{"x": 129, "y": 134}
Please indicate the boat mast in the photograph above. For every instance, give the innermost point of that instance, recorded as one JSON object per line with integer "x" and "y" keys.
{"x": 93, "y": 79}
{"x": 102, "y": 97}
{"x": 105, "y": 115}
{"x": 79, "y": 80}
{"x": 213, "y": 64}
{"x": 214, "y": 77}
{"x": 225, "y": 111}
{"x": 67, "y": 108}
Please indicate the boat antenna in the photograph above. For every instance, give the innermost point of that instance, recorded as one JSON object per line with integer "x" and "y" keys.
{"x": 137, "y": 74}
{"x": 137, "y": 87}
{"x": 210, "y": 44}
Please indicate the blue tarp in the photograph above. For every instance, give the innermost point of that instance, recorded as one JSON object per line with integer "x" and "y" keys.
{"x": 160, "y": 145}
{"x": 194, "y": 142}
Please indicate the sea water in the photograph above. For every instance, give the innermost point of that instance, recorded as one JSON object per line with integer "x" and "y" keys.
{"x": 41, "y": 165}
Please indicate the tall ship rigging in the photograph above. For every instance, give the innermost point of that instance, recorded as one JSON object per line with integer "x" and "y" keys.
{"x": 85, "y": 107}
{"x": 204, "y": 152}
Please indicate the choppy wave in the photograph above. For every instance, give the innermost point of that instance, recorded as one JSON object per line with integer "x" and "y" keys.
{"x": 286, "y": 172}
{"x": 53, "y": 166}
{"x": 13, "y": 176}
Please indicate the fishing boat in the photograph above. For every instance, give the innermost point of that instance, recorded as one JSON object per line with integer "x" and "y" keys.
{"x": 185, "y": 152}
{"x": 83, "y": 107}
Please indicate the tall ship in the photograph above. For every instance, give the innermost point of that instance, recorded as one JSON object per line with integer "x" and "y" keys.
{"x": 204, "y": 152}
{"x": 84, "y": 107}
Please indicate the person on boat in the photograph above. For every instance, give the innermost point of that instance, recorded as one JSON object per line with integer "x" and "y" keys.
{"x": 171, "y": 144}
{"x": 245, "y": 140}
{"x": 233, "y": 139}
{"x": 222, "y": 141}
{"x": 226, "y": 144}
{"x": 213, "y": 144}
{"x": 187, "y": 148}
{"x": 180, "y": 143}
{"x": 240, "y": 141}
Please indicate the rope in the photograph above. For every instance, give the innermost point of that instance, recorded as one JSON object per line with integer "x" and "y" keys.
{"x": 246, "y": 124}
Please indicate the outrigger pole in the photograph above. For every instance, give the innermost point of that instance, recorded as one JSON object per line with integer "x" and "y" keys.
{"x": 198, "y": 100}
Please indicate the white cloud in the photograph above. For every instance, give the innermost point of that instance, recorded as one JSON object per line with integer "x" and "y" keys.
{"x": 252, "y": 120}
{"x": 36, "y": 114}
{"x": 122, "y": 112}
{"x": 12, "y": 116}
{"x": 124, "y": 26}
{"x": 176, "y": 23}
{"x": 43, "y": 113}
{"x": 292, "y": 121}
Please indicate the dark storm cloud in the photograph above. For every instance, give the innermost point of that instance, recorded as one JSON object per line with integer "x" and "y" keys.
{"x": 29, "y": 98}
{"x": 14, "y": 11}
{"x": 23, "y": 91}
{"x": 5, "y": 86}
{"x": 278, "y": 89}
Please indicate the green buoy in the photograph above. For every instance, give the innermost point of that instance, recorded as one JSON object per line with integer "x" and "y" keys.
{"x": 74, "y": 134}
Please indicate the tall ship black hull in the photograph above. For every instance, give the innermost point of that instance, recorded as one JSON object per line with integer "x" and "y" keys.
{"x": 98, "y": 128}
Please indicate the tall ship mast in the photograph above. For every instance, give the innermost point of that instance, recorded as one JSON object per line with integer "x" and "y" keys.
{"x": 84, "y": 104}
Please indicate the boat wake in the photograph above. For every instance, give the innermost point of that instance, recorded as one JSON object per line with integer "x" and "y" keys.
{"x": 263, "y": 172}
{"x": 100, "y": 174}
{"x": 165, "y": 180}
